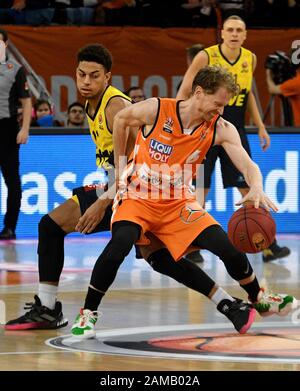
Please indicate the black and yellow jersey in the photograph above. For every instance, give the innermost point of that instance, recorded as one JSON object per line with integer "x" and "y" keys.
{"x": 101, "y": 134}
{"x": 242, "y": 69}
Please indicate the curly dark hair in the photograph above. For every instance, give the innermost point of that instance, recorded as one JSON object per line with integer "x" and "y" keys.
{"x": 96, "y": 53}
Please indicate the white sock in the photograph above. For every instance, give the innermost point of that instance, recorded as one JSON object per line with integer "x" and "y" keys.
{"x": 47, "y": 295}
{"x": 220, "y": 295}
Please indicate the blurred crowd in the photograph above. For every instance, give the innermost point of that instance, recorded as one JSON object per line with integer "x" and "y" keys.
{"x": 158, "y": 13}
{"x": 43, "y": 113}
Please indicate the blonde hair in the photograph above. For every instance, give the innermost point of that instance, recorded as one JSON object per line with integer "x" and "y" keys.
{"x": 211, "y": 78}
{"x": 234, "y": 17}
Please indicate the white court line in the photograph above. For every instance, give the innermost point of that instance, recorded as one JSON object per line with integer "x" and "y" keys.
{"x": 44, "y": 352}
{"x": 102, "y": 335}
{"x": 67, "y": 240}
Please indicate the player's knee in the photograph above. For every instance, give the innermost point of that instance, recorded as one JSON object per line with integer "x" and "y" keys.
{"x": 50, "y": 234}
{"x": 45, "y": 224}
{"x": 162, "y": 262}
{"x": 224, "y": 247}
{"x": 147, "y": 251}
{"x": 154, "y": 259}
{"x": 124, "y": 237}
{"x": 228, "y": 251}
{"x": 123, "y": 246}
{"x": 238, "y": 266}
{"x": 48, "y": 226}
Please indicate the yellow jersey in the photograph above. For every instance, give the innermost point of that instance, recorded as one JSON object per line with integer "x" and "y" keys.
{"x": 242, "y": 69}
{"x": 101, "y": 134}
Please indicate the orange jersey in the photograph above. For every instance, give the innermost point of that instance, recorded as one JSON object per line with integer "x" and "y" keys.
{"x": 165, "y": 161}
{"x": 157, "y": 196}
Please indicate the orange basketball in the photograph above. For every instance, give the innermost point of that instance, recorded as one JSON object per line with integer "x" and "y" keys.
{"x": 251, "y": 229}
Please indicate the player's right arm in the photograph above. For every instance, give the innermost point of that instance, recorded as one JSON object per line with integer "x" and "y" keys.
{"x": 228, "y": 137}
{"x": 134, "y": 116}
{"x": 199, "y": 62}
{"x": 94, "y": 214}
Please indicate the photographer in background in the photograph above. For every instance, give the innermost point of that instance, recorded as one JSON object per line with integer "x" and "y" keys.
{"x": 290, "y": 87}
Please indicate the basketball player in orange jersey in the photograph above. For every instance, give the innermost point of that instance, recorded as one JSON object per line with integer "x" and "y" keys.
{"x": 241, "y": 62}
{"x": 154, "y": 196}
{"x": 88, "y": 211}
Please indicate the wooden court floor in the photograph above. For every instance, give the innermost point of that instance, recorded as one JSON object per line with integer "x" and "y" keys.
{"x": 139, "y": 298}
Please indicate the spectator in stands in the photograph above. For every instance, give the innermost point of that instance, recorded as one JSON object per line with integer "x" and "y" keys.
{"x": 76, "y": 116}
{"x": 4, "y": 12}
{"x": 200, "y": 13}
{"x": 290, "y": 88}
{"x": 13, "y": 89}
{"x": 278, "y": 13}
{"x": 36, "y": 12}
{"x": 43, "y": 115}
{"x": 11, "y": 11}
{"x": 242, "y": 8}
{"x": 293, "y": 13}
{"x": 118, "y": 12}
{"x": 136, "y": 94}
{"x": 77, "y": 12}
